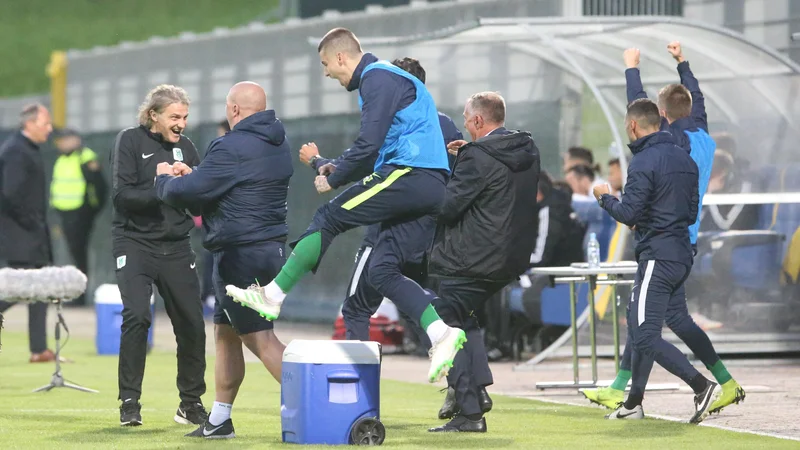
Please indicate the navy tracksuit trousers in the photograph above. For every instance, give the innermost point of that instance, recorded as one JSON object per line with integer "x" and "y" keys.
{"x": 657, "y": 294}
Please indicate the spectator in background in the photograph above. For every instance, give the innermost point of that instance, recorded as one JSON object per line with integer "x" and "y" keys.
{"x": 559, "y": 240}
{"x": 25, "y": 242}
{"x": 726, "y": 178}
{"x": 615, "y": 177}
{"x": 78, "y": 193}
{"x": 582, "y": 156}
{"x": 581, "y": 179}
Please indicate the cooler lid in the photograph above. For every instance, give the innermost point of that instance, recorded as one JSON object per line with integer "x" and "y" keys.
{"x": 332, "y": 352}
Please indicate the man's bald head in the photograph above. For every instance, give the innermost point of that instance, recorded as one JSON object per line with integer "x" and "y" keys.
{"x": 244, "y": 99}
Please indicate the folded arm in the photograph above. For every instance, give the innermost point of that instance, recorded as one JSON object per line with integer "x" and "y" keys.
{"x": 464, "y": 187}
{"x": 635, "y": 197}
{"x": 215, "y": 176}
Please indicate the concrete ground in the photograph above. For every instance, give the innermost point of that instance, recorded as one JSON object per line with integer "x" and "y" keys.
{"x": 772, "y": 386}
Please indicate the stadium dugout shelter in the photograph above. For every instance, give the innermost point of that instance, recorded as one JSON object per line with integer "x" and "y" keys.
{"x": 750, "y": 94}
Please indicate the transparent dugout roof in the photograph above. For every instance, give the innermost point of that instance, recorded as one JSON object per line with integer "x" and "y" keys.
{"x": 752, "y": 92}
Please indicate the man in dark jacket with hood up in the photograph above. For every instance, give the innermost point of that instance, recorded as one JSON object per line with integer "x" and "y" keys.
{"x": 484, "y": 237}
{"x": 660, "y": 201}
{"x": 241, "y": 188}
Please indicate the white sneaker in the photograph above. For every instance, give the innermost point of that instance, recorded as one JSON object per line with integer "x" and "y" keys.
{"x": 255, "y": 298}
{"x": 623, "y": 413}
{"x": 443, "y": 352}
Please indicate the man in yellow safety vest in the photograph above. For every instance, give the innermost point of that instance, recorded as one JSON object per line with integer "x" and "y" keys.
{"x": 78, "y": 193}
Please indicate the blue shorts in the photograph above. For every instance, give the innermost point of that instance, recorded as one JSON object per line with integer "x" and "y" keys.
{"x": 241, "y": 266}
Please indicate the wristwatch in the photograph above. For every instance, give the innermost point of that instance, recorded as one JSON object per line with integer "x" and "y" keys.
{"x": 313, "y": 158}
{"x": 600, "y": 201}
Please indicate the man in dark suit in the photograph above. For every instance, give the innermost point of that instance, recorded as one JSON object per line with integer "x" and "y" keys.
{"x": 483, "y": 238}
{"x": 24, "y": 236}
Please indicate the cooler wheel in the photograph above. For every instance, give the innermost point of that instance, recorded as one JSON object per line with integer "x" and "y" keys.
{"x": 367, "y": 431}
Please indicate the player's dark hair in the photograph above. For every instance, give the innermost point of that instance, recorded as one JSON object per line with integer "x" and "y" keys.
{"x": 411, "y": 66}
{"x": 613, "y": 162}
{"x": 582, "y": 171}
{"x": 645, "y": 113}
{"x": 583, "y": 154}
{"x": 545, "y": 184}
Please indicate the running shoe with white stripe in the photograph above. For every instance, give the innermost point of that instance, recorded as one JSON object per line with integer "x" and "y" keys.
{"x": 256, "y": 299}
{"x": 704, "y": 400}
{"x": 443, "y": 352}
{"x": 627, "y": 414}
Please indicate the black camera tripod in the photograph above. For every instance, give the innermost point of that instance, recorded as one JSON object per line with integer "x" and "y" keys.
{"x": 58, "y": 379}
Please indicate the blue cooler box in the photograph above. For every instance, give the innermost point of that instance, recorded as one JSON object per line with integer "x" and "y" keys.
{"x": 108, "y": 308}
{"x": 330, "y": 392}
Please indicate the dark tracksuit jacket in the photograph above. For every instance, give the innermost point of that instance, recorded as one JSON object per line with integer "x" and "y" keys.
{"x": 661, "y": 199}
{"x": 690, "y": 133}
{"x": 241, "y": 188}
{"x": 151, "y": 246}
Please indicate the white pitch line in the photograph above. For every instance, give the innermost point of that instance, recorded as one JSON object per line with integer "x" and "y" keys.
{"x": 674, "y": 419}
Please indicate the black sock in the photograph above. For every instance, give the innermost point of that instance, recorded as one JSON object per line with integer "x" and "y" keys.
{"x": 633, "y": 401}
{"x": 699, "y": 383}
{"x": 474, "y": 417}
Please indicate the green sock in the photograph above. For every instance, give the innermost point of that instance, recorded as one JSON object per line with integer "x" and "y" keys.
{"x": 428, "y": 317}
{"x": 720, "y": 372}
{"x": 621, "y": 382}
{"x": 304, "y": 258}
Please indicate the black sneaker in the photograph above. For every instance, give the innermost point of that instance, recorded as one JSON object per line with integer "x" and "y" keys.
{"x": 191, "y": 413}
{"x": 461, "y": 424}
{"x": 704, "y": 400}
{"x": 130, "y": 413}
{"x": 208, "y": 431}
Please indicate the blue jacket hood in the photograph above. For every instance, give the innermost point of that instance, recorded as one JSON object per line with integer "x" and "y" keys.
{"x": 659, "y": 137}
{"x": 265, "y": 126}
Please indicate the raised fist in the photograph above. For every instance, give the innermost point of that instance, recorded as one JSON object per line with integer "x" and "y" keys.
{"x": 631, "y": 57}
{"x": 674, "y": 49}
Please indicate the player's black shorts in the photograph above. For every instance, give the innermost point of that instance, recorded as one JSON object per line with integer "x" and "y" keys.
{"x": 241, "y": 266}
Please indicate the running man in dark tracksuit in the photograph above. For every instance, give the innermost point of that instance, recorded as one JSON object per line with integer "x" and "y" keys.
{"x": 660, "y": 201}
{"x": 400, "y": 124}
{"x": 682, "y": 107}
{"x": 241, "y": 189}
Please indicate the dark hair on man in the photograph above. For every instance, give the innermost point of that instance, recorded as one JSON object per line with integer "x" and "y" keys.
{"x": 676, "y": 101}
{"x": 645, "y": 113}
{"x": 725, "y": 142}
{"x": 411, "y": 66}
{"x": 490, "y": 105}
{"x": 582, "y": 171}
{"x": 340, "y": 40}
{"x": 613, "y": 162}
{"x": 562, "y": 186}
{"x": 583, "y": 154}
{"x": 723, "y": 163}
{"x": 224, "y": 125}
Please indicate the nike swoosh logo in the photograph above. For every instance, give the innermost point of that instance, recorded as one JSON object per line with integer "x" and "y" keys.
{"x": 620, "y": 415}
{"x": 191, "y": 266}
{"x": 147, "y": 156}
{"x": 207, "y": 432}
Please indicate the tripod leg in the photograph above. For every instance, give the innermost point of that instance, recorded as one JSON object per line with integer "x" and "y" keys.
{"x": 44, "y": 388}
{"x": 79, "y": 388}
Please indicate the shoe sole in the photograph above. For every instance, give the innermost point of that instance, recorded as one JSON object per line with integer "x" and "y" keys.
{"x": 267, "y": 316}
{"x": 444, "y": 369}
{"x": 132, "y": 423}
{"x": 740, "y": 395}
{"x": 699, "y": 416}
{"x": 184, "y": 421}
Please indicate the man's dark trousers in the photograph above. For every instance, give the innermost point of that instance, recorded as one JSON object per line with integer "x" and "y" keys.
{"x": 395, "y": 197}
{"x": 175, "y": 276}
{"x": 459, "y": 299}
{"x": 657, "y": 289}
{"x": 37, "y": 315}
{"x": 681, "y": 323}
{"x": 77, "y": 226}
